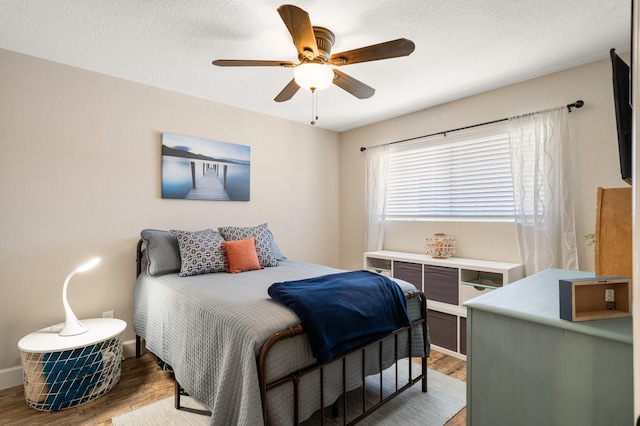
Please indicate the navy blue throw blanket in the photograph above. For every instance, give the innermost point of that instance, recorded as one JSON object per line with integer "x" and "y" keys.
{"x": 342, "y": 311}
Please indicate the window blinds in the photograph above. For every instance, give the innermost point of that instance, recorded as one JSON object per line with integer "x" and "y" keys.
{"x": 466, "y": 176}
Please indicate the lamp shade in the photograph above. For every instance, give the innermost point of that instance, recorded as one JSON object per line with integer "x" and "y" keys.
{"x": 72, "y": 326}
{"x": 312, "y": 76}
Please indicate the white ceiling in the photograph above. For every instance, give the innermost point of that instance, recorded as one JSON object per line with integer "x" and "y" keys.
{"x": 463, "y": 47}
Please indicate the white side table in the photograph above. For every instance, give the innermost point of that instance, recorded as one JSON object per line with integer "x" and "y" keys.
{"x": 63, "y": 372}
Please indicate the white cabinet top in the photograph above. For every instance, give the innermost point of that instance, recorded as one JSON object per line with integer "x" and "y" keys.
{"x": 48, "y": 340}
{"x": 452, "y": 262}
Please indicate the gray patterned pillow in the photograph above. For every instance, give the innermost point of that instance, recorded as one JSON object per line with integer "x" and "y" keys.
{"x": 200, "y": 252}
{"x": 262, "y": 236}
{"x": 274, "y": 248}
{"x": 163, "y": 255}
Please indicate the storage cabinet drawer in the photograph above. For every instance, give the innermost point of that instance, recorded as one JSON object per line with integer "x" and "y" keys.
{"x": 443, "y": 329}
{"x": 385, "y": 272}
{"x": 441, "y": 284}
{"x": 410, "y": 272}
{"x": 380, "y": 266}
{"x": 468, "y": 292}
{"x": 463, "y": 335}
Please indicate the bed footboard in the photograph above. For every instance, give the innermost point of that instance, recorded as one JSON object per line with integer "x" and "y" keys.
{"x": 418, "y": 325}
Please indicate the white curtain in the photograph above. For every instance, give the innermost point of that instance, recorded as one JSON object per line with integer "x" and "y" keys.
{"x": 376, "y": 171}
{"x": 542, "y": 178}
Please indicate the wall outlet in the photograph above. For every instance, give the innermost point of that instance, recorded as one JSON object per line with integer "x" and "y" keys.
{"x": 107, "y": 314}
{"x": 609, "y": 295}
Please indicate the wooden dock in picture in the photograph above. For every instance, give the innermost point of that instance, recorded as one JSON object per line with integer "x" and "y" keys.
{"x": 209, "y": 186}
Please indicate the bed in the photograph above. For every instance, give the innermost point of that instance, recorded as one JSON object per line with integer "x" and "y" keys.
{"x": 242, "y": 354}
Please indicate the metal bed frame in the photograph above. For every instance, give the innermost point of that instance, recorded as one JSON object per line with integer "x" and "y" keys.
{"x": 295, "y": 377}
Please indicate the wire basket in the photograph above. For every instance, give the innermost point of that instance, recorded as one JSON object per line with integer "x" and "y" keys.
{"x": 57, "y": 380}
{"x": 440, "y": 246}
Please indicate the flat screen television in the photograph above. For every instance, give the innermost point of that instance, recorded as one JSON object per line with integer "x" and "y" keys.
{"x": 624, "y": 112}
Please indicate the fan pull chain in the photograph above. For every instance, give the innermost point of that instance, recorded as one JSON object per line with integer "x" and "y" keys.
{"x": 314, "y": 107}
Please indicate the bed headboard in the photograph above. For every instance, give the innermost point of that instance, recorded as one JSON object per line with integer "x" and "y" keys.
{"x": 139, "y": 257}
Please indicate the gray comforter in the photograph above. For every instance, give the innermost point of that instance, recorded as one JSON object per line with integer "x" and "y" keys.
{"x": 211, "y": 327}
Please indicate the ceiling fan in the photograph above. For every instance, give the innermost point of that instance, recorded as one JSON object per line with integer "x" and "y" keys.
{"x": 315, "y": 67}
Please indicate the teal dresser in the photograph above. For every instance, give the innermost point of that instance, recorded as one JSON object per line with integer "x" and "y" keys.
{"x": 526, "y": 366}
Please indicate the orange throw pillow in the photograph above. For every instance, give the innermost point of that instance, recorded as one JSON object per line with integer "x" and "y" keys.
{"x": 241, "y": 255}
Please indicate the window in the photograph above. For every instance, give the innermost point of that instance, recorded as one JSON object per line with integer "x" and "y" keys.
{"x": 465, "y": 176}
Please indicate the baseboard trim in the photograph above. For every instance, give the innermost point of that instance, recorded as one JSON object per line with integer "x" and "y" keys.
{"x": 12, "y": 376}
{"x": 129, "y": 348}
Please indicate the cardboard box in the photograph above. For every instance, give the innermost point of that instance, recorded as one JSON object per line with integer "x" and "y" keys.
{"x": 586, "y": 299}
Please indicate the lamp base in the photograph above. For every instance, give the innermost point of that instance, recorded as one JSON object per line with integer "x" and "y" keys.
{"x": 72, "y": 327}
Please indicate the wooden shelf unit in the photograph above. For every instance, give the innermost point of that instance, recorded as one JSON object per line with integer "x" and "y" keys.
{"x": 447, "y": 284}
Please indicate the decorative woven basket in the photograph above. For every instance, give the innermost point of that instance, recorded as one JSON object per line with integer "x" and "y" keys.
{"x": 440, "y": 246}
{"x": 57, "y": 380}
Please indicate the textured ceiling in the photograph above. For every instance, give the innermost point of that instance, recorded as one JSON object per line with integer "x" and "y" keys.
{"x": 463, "y": 47}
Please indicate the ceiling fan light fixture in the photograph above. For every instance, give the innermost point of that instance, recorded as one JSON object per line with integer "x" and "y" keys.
{"x": 317, "y": 68}
{"x": 313, "y": 76}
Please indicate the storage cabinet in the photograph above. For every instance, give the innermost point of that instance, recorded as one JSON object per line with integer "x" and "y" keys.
{"x": 447, "y": 284}
{"x": 527, "y": 366}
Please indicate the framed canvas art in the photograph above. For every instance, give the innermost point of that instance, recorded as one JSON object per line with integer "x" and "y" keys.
{"x": 202, "y": 169}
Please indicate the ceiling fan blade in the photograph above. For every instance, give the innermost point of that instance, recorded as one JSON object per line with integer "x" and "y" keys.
{"x": 300, "y": 28}
{"x": 353, "y": 86}
{"x": 288, "y": 91}
{"x": 251, "y": 63}
{"x": 389, "y": 49}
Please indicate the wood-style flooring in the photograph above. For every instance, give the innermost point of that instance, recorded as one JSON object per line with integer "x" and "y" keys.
{"x": 143, "y": 382}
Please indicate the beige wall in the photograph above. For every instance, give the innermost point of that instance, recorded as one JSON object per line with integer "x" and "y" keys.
{"x": 80, "y": 177}
{"x": 596, "y": 162}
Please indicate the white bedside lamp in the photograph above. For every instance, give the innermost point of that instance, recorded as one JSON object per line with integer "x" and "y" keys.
{"x": 72, "y": 326}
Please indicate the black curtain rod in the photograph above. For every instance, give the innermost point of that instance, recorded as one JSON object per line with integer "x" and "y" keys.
{"x": 577, "y": 104}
